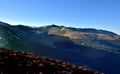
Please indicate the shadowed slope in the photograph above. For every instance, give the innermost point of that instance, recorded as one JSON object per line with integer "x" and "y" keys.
{"x": 17, "y": 62}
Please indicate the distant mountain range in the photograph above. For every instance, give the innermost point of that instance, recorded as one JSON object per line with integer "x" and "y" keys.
{"x": 98, "y": 49}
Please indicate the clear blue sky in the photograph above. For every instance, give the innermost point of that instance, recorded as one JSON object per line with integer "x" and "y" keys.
{"x": 100, "y": 14}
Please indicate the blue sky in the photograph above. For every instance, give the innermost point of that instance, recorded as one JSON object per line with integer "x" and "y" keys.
{"x": 100, "y": 14}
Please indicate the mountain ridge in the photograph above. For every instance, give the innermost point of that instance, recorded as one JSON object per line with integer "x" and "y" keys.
{"x": 80, "y": 47}
{"x": 85, "y": 29}
{"x": 98, "y": 39}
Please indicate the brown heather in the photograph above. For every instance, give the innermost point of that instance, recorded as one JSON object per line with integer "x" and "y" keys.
{"x": 18, "y": 62}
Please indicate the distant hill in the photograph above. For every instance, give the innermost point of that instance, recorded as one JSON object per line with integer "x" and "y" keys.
{"x": 17, "y": 62}
{"x": 98, "y": 39}
{"x": 97, "y": 49}
{"x": 48, "y": 36}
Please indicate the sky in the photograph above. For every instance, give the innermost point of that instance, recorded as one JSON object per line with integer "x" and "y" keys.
{"x": 99, "y": 14}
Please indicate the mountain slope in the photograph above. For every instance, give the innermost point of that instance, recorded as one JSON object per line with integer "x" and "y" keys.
{"x": 29, "y": 63}
{"x": 50, "y": 35}
{"x": 98, "y": 39}
{"x": 90, "y": 47}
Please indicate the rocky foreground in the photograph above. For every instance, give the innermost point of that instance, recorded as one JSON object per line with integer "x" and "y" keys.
{"x": 17, "y": 62}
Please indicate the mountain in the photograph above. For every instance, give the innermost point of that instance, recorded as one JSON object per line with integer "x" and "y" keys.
{"x": 97, "y": 49}
{"x": 98, "y": 39}
{"x": 49, "y": 36}
{"x": 29, "y": 63}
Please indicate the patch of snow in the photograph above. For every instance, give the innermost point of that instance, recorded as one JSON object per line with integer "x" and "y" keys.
{"x": 39, "y": 32}
{"x": 62, "y": 29}
{"x": 82, "y": 43}
{"x": 13, "y": 35}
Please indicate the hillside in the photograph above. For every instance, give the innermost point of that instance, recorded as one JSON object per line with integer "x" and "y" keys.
{"x": 98, "y": 39}
{"x": 50, "y": 36}
{"x": 17, "y": 62}
{"x": 96, "y": 49}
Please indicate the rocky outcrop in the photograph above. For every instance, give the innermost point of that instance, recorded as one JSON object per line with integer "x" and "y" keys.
{"x": 18, "y": 62}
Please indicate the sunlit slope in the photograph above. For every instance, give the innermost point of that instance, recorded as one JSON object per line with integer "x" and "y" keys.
{"x": 99, "y": 39}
